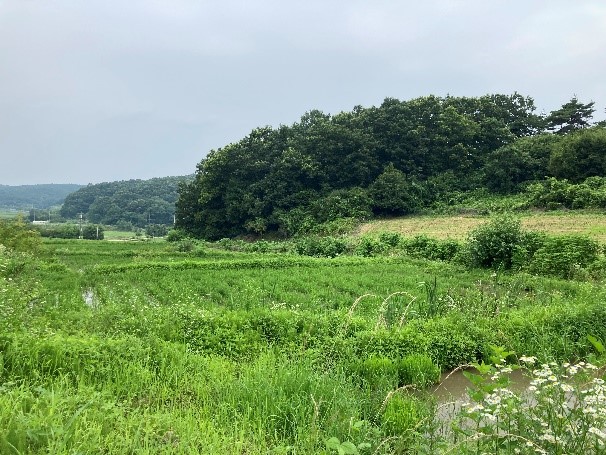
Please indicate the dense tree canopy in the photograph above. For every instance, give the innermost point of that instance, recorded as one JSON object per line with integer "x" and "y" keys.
{"x": 580, "y": 155}
{"x": 139, "y": 202}
{"x": 387, "y": 160}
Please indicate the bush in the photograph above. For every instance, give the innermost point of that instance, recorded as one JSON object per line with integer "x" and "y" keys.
{"x": 17, "y": 236}
{"x": 186, "y": 245}
{"x": 423, "y": 246}
{"x": 564, "y": 256}
{"x": 329, "y": 247}
{"x": 93, "y": 232}
{"x": 156, "y": 230}
{"x": 529, "y": 244}
{"x": 63, "y": 231}
{"x": 394, "y": 193}
{"x": 493, "y": 245}
{"x": 339, "y": 226}
{"x": 554, "y": 194}
{"x": 176, "y": 235}
{"x": 370, "y": 246}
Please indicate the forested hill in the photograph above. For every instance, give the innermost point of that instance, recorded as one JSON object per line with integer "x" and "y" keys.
{"x": 386, "y": 160}
{"x": 138, "y": 202}
{"x": 39, "y": 196}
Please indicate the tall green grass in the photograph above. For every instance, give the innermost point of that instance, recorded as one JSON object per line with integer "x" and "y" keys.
{"x": 140, "y": 348}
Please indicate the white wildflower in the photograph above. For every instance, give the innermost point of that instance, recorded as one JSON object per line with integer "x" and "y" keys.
{"x": 530, "y": 360}
{"x": 566, "y": 387}
{"x": 548, "y": 437}
{"x": 596, "y": 431}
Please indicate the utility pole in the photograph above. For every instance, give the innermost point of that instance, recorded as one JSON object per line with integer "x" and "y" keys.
{"x": 80, "y": 224}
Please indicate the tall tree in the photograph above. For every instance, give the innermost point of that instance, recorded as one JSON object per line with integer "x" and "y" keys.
{"x": 572, "y": 116}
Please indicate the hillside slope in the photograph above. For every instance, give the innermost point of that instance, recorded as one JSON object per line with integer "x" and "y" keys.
{"x": 43, "y": 196}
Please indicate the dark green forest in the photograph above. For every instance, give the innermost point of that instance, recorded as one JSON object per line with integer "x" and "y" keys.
{"x": 44, "y": 196}
{"x": 129, "y": 203}
{"x": 390, "y": 160}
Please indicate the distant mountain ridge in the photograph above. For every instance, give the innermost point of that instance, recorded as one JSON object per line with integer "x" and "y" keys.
{"x": 42, "y": 196}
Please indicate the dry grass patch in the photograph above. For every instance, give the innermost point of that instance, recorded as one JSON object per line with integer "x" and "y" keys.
{"x": 458, "y": 227}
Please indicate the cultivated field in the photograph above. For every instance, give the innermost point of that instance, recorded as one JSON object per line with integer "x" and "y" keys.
{"x": 457, "y": 227}
{"x": 143, "y": 347}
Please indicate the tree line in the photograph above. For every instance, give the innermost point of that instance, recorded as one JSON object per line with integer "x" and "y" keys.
{"x": 388, "y": 160}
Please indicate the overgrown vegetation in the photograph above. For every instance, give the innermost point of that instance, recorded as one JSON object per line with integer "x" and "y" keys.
{"x": 400, "y": 158}
{"x": 197, "y": 347}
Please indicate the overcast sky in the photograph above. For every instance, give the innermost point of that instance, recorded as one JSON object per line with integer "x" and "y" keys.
{"x": 103, "y": 90}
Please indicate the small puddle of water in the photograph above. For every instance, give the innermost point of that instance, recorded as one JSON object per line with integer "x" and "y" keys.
{"x": 451, "y": 392}
{"x": 453, "y": 386}
{"x": 89, "y": 298}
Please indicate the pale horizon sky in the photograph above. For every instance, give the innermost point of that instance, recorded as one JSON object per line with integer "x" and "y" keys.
{"x": 104, "y": 90}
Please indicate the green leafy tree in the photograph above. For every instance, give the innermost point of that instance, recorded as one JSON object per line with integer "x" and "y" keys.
{"x": 524, "y": 160}
{"x": 392, "y": 193}
{"x": 18, "y": 236}
{"x": 572, "y": 116}
{"x": 286, "y": 178}
{"x": 580, "y": 155}
{"x": 156, "y": 230}
{"x": 92, "y": 232}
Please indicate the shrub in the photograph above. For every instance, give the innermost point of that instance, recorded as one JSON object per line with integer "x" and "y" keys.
{"x": 529, "y": 244}
{"x": 175, "y": 235}
{"x": 339, "y": 226}
{"x": 494, "y": 244}
{"x": 425, "y": 247}
{"x": 554, "y": 194}
{"x": 370, "y": 246}
{"x": 563, "y": 256}
{"x": 186, "y": 245}
{"x": 393, "y": 239}
{"x": 156, "y": 230}
{"x": 329, "y": 247}
{"x": 394, "y": 193}
{"x": 63, "y": 231}
{"x": 93, "y": 232}
{"x": 17, "y": 236}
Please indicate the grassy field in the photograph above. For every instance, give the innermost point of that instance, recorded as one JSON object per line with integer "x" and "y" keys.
{"x": 138, "y": 347}
{"x": 457, "y": 227}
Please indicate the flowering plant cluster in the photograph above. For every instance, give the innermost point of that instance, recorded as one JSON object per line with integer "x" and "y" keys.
{"x": 562, "y": 411}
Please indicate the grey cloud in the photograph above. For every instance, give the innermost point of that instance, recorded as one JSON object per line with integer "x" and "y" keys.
{"x": 146, "y": 87}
